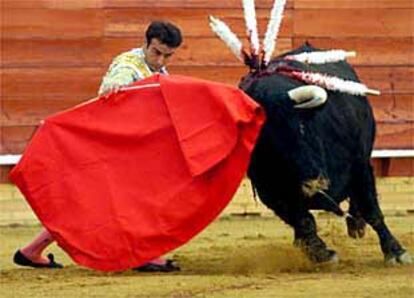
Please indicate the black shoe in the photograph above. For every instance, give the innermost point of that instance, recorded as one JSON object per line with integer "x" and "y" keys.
{"x": 169, "y": 266}
{"x": 22, "y": 260}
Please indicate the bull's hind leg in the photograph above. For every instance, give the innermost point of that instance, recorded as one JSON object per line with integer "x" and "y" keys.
{"x": 364, "y": 193}
{"x": 294, "y": 212}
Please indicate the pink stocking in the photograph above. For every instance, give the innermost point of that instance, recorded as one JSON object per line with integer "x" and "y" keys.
{"x": 157, "y": 261}
{"x": 34, "y": 249}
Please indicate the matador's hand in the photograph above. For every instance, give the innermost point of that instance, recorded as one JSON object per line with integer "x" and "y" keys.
{"x": 114, "y": 89}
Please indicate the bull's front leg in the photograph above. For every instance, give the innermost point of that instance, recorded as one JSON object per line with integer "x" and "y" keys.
{"x": 292, "y": 209}
{"x": 307, "y": 239}
{"x": 355, "y": 223}
{"x": 365, "y": 195}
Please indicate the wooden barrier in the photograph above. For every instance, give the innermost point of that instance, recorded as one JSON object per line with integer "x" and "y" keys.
{"x": 54, "y": 54}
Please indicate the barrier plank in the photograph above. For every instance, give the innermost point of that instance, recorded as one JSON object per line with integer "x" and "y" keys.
{"x": 405, "y": 102}
{"x": 402, "y": 105}
{"x": 353, "y": 23}
{"x": 4, "y": 173}
{"x": 29, "y": 111}
{"x": 403, "y": 78}
{"x": 52, "y": 53}
{"x": 345, "y": 4}
{"x": 398, "y": 135}
{"x": 393, "y": 167}
{"x": 92, "y": 52}
{"x": 26, "y": 112}
{"x": 389, "y": 136}
{"x": 396, "y": 80}
{"x": 228, "y": 75}
{"x": 393, "y": 111}
{"x": 188, "y": 4}
{"x": 195, "y": 51}
{"x": 83, "y": 82}
{"x": 402, "y": 167}
{"x": 373, "y": 52}
{"x": 53, "y": 4}
{"x": 69, "y": 83}
{"x": 48, "y": 82}
{"x": 81, "y": 23}
{"x": 15, "y": 138}
{"x": 193, "y": 22}
{"x": 79, "y": 4}
{"x": 52, "y": 23}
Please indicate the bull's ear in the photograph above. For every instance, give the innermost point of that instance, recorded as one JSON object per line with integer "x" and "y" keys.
{"x": 308, "y": 97}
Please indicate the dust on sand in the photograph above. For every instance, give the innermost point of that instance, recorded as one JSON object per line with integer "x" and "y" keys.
{"x": 234, "y": 257}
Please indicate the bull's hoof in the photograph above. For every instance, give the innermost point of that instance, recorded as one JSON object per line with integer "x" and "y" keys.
{"x": 404, "y": 259}
{"x": 326, "y": 257}
{"x": 316, "y": 251}
{"x": 394, "y": 253}
{"x": 356, "y": 227}
{"x": 330, "y": 257}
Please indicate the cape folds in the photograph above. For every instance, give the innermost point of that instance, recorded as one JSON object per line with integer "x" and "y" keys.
{"x": 120, "y": 181}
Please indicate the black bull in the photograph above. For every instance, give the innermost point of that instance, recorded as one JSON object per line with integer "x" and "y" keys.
{"x": 315, "y": 158}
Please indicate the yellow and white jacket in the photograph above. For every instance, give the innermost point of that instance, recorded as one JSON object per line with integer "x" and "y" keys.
{"x": 125, "y": 69}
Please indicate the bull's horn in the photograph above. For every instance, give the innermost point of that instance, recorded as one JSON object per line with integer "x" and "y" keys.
{"x": 308, "y": 97}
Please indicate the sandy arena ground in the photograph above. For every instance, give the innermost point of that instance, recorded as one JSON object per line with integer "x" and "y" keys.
{"x": 234, "y": 257}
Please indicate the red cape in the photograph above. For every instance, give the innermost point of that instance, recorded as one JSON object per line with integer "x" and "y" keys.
{"x": 121, "y": 181}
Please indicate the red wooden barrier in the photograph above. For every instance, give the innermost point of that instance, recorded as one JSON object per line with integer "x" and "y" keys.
{"x": 54, "y": 54}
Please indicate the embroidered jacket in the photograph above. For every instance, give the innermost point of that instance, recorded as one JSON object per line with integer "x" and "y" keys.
{"x": 125, "y": 69}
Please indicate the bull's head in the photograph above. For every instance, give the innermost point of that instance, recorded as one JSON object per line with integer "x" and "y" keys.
{"x": 293, "y": 142}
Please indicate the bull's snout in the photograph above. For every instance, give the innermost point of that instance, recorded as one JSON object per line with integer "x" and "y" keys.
{"x": 314, "y": 186}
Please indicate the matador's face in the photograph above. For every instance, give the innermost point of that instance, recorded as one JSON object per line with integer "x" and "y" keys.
{"x": 157, "y": 54}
